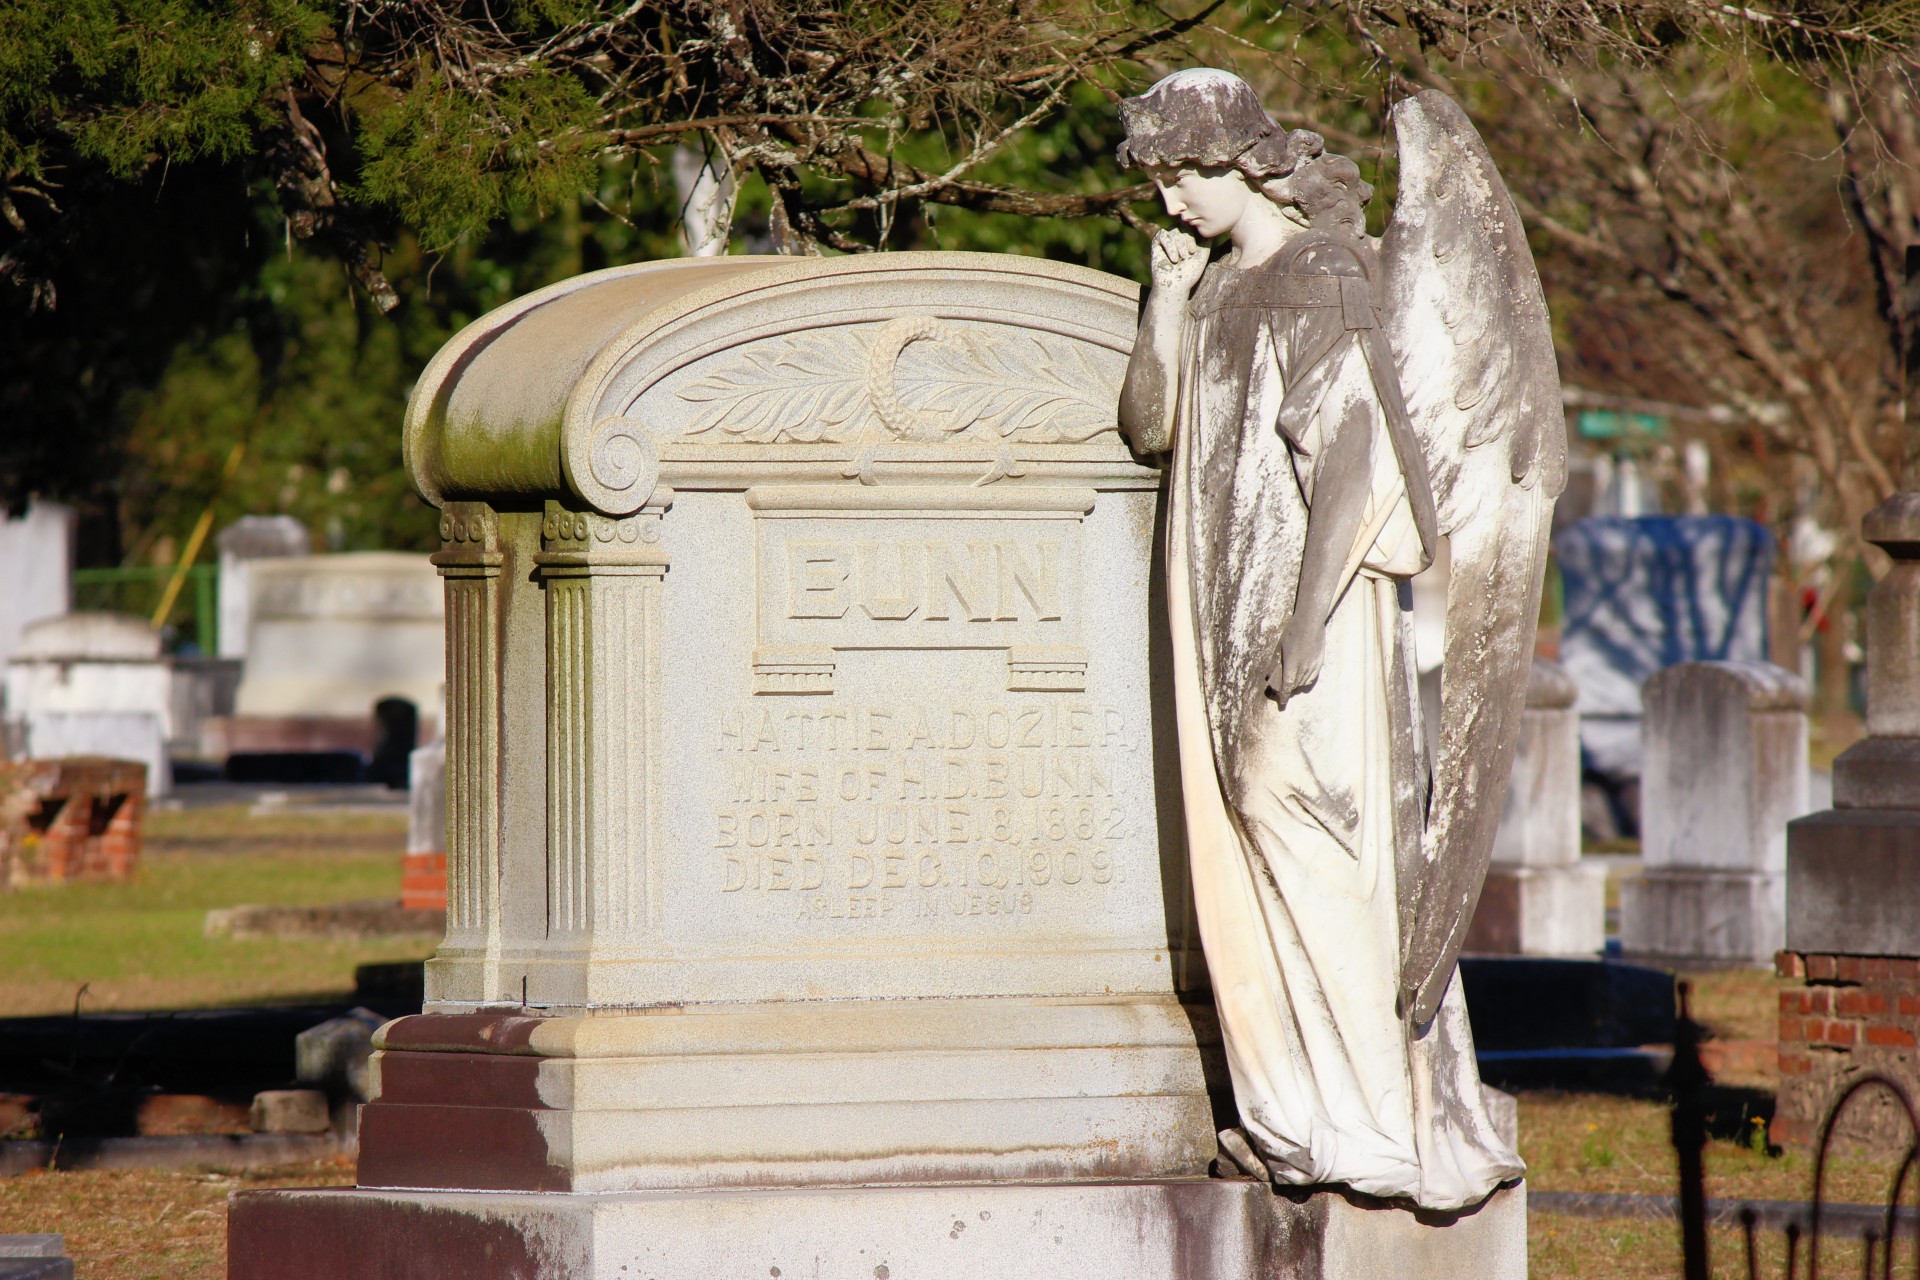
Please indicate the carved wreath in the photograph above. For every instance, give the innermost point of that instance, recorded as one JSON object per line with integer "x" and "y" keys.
{"x": 833, "y": 386}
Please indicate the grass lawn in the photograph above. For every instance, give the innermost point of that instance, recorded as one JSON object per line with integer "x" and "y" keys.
{"x": 1740, "y": 1004}
{"x": 1585, "y": 1143}
{"x": 158, "y": 1224}
{"x": 139, "y": 945}
{"x": 1575, "y": 1142}
{"x": 1621, "y": 1146}
{"x": 1560, "y": 1248}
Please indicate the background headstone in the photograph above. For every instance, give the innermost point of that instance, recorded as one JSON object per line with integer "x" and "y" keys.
{"x": 398, "y": 723}
{"x": 36, "y": 569}
{"x": 1725, "y": 771}
{"x": 423, "y": 875}
{"x": 1429, "y": 591}
{"x": 203, "y": 693}
{"x": 1644, "y": 593}
{"x": 331, "y": 637}
{"x": 246, "y": 540}
{"x": 333, "y": 1055}
{"x": 93, "y": 684}
{"x": 1540, "y": 897}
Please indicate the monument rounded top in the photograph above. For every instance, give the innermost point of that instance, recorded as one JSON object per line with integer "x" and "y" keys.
{"x": 720, "y": 371}
{"x": 1549, "y": 686}
{"x": 1764, "y": 686}
{"x": 258, "y": 537}
{"x": 1894, "y": 526}
{"x": 98, "y": 636}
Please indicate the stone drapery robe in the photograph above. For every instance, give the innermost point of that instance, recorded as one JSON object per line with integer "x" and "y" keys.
{"x": 1299, "y": 817}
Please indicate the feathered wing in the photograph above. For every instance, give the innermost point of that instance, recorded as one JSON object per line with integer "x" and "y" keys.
{"x": 1468, "y": 324}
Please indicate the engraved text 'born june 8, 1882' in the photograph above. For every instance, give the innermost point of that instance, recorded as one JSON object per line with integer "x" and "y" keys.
{"x": 860, "y": 812}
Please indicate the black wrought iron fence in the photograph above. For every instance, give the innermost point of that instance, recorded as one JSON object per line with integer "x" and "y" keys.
{"x": 1690, "y": 1083}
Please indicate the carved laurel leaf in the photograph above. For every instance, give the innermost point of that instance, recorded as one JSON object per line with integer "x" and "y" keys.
{"x": 808, "y": 388}
{"x": 1014, "y": 385}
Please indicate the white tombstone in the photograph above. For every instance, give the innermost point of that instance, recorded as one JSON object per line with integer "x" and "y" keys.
{"x": 1725, "y": 770}
{"x": 203, "y": 693}
{"x": 809, "y": 784}
{"x": 36, "y": 569}
{"x": 246, "y": 540}
{"x": 427, "y": 798}
{"x": 1541, "y": 897}
{"x": 331, "y": 635}
{"x": 93, "y": 684}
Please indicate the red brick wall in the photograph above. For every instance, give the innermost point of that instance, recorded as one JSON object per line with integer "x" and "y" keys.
{"x": 423, "y": 882}
{"x": 85, "y": 824}
{"x": 1853, "y": 1016}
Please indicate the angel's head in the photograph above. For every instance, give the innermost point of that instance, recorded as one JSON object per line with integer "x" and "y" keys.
{"x": 1207, "y": 143}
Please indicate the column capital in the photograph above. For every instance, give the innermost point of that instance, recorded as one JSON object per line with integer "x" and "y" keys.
{"x": 1893, "y": 650}
{"x": 469, "y": 541}
{"x": 577, "y": 541}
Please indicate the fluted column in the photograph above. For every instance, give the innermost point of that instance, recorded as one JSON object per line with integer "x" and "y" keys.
{"x": 603, "y": 579}
{"x": 470, "y": 561}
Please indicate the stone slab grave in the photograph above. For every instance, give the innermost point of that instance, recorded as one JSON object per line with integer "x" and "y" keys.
{"x": 1646, "y": 592}
{"x": 816, "y": 894}
{"x": 329, "y": 637}
{"x": 1541, "y": 897}
{"x": 1726, "y": 771}
{"x": 98, "y": 684}
{"x": 93, "y": 684}
{"x": 34, "y": 1257}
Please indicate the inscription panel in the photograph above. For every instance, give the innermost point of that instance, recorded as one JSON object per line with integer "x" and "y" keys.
{"x": 973, "y": 809}
{"x": 920, "y": 569}
{"x": 919, "y": 806}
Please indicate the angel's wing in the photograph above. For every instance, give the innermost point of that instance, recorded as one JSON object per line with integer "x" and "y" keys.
{"x": 1468, "y": 325}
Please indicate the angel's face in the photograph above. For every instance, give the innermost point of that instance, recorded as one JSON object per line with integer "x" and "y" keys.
{"x": 1211, "y": 199}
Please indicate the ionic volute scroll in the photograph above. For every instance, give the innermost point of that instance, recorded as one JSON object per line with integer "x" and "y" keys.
{"x": 614, "y": 466}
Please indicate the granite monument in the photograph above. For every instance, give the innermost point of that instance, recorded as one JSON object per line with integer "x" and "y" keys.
{"x": 818, "y": 898}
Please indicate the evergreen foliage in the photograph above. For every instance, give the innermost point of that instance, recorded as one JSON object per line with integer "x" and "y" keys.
{"x": 254, "y": 220}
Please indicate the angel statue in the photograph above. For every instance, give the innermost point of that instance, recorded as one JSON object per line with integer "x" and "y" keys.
{"x": 1334, "y": 406}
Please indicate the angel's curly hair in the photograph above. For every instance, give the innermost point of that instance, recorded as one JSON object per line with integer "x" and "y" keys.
{"x": 1204, "y": 117}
